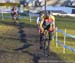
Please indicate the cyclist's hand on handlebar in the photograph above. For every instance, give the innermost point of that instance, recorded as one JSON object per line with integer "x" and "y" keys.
{"x": 42, "y": 30}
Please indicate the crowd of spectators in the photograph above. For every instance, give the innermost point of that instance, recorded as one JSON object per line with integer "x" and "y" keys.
{"x": 35, "y": 3}
{"x": 71, "y": 3}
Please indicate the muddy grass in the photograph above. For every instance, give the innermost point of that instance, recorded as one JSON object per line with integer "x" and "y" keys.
{"x": 24, "y": 48}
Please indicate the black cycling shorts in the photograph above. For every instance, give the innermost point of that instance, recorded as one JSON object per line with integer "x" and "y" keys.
{"x": 46, "y": 27}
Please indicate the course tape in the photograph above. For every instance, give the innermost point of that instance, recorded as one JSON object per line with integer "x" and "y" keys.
{"x": 68, "y": 35}
{"x": 65, "y": 46}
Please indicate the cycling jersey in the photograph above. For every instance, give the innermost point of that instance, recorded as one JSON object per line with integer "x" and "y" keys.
{"x": 48, "y": 21}
{"x": 14, "y": 11}
{"x": 48, "y": 24}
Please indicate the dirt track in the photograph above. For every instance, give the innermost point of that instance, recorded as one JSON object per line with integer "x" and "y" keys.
{"x": 30, "y": 50}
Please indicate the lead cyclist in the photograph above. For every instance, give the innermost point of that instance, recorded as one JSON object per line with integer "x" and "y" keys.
{"x": 49, "y": 24}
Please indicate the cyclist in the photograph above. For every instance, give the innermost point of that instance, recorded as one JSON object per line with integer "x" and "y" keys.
{"x": 47, "y": 23}
{"x": 14, "y": 14}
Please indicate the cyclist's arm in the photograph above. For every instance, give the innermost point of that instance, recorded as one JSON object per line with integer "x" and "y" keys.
{"x": 41, "y": 25}
{"x": 52, "y": 16}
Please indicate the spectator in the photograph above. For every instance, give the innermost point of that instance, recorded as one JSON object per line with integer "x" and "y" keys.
{"x": 40, "y": 1}
{"x": 71, "y": 1}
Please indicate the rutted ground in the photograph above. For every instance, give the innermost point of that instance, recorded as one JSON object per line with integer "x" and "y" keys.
{"x": 24, "y": 50}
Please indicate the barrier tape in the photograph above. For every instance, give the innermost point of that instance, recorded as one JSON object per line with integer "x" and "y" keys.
{"x": 65, "y": 46}
{"x": 68, "y": 35}
{"x": 62, "y": 44}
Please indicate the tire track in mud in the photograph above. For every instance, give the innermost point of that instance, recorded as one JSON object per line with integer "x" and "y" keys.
{"x": 30, "y": 50}
{"x": 38, "y": 55}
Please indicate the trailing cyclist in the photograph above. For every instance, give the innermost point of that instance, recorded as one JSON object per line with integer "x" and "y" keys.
{"x": 14, "y": 14}
{"x": 47, "y": 23}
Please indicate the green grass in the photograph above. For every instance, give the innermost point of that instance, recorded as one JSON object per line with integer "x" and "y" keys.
{"x": 7, "y": 31}
{"x": 69, "y": 24}
{"x": 9, "y": 4}
{"x": 65, "y": 22}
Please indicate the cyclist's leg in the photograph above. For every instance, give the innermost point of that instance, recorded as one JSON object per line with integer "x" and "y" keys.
{"x": 50, "y": 38}
{"x": 50, "y": 35}
{"x": 41, "y": 40}
{"x": 15, "y": 19}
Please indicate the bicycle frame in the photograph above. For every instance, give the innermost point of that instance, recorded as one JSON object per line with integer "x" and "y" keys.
{"x": 45, "y": 39}
{"x": 46, "y": 42}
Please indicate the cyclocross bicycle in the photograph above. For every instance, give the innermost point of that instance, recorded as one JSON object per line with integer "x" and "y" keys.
{"x": 45, "y": 43}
